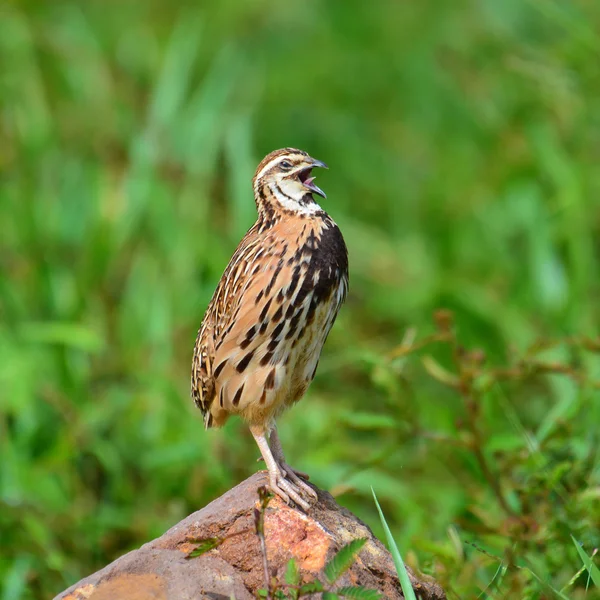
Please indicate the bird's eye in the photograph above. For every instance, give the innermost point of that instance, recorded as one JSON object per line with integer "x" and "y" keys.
{"x": 286, "y": 164}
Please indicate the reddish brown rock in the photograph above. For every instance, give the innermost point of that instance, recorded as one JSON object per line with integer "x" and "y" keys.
{"x": 160, "y": 570}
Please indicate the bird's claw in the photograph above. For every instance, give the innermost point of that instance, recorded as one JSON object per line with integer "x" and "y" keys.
{"x": 298, "y": 480}
{"x": 286, "y": 490}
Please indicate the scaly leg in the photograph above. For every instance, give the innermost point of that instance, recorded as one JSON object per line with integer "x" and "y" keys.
{"x": 278, "y": 483}
{"x": 297, "y": 477}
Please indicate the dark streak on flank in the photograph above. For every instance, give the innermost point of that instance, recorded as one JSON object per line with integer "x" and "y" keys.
{"x": 306, "y": 287}
{"x": 266, "y": 359}
{"x": 249, "y": 337}
{"x": 278, "y": 314}
{"x": 265, "y": 310}
{"x": 218, "y": 370}
{"x": 238, "y": 395}
{"x": 294, "y": 321}
{"x": 270, "y": 380}
{"x": 241, "y": 366}
{"x": 278, "y": 330}
{"x": 263, "y": 397}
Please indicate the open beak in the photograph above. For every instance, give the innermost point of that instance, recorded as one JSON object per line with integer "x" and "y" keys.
{"x": 308, "y": 180}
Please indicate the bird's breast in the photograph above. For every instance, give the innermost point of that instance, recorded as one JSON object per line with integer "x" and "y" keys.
{"x": 321, "y": 266}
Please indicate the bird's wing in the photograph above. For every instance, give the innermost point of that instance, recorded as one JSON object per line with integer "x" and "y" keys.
{"x": 216, "y": 320}
{"x": 203, "y": 385}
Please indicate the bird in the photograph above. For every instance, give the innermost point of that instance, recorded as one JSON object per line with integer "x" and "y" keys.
{"x": 260, "y": 340}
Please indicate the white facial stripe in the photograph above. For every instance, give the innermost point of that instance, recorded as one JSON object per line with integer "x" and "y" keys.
{"x": 273, "y": 162}
{"x": 270, "y": 164}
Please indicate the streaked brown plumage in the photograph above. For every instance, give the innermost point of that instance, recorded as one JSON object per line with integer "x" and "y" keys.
{"x": 259, "y": 343}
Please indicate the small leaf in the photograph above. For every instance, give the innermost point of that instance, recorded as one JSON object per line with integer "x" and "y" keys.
{"x": 311, "y": 587}
{"x": 359, "y": 592}
{"x": 292, "y": 576}
{"x": 330, "y": 596}
{"x": 438, "y": 372}
{"x": 204, "y": 546}
{"x": 343, "y": 560}
{"x": 589, "y": 564}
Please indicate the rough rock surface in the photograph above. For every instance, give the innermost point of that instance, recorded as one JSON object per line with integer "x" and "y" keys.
{"x": 160, "y": 570}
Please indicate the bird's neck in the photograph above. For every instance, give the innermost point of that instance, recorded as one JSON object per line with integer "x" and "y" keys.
{"x": 273, "y": 204}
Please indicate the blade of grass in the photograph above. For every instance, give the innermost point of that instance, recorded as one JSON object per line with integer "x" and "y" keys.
{"x": 592, "y": 569}
{"x": 407, "y": 589}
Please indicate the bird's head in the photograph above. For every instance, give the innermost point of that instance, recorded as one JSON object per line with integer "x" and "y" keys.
{"x": 285, "y": 177}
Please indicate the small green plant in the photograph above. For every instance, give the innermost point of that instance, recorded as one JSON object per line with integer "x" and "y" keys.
{"x": 204, "y": 546}
{"x": 334, "y": 569}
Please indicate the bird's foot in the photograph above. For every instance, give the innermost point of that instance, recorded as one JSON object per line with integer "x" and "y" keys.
{"x": 283, "y": 480}
{"x": 286, "y": 490}
{"x": 298, "y": 479}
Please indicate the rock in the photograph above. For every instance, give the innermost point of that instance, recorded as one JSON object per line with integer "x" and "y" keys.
{"x": 159, "y": 570}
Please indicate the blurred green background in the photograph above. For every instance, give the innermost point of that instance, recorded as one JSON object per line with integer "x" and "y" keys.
{"x": 463, "y": 145}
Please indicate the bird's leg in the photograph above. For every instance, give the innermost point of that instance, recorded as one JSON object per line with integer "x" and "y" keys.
{"x": 296, "y": 476}
{"x": 278, "y": 483}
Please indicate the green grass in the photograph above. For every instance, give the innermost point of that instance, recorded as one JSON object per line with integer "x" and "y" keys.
{"x": 462, "y": 144}
{"x": 407, "y": 589}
